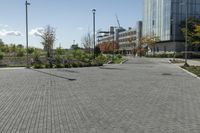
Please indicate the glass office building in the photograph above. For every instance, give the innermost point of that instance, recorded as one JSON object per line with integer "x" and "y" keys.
{"x": 163, "y": 18}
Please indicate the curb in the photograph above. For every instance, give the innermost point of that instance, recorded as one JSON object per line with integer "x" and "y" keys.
{"x": 124, "y": 61}
{"x": 192, "y": 74}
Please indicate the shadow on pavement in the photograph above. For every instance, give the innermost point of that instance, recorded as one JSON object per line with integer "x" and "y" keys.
{"x": 50, "y": 74}
{"x": 111, "y": 68}
{"x": 65, "y": 70}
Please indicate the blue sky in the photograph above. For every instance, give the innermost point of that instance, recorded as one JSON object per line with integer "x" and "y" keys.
{"x": 71, "y": 18}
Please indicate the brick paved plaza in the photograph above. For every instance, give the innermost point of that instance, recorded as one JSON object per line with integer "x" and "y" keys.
{"x": 141, "y": 96}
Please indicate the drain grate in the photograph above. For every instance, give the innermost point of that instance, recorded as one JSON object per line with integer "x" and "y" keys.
{"x": 166, "y": 74}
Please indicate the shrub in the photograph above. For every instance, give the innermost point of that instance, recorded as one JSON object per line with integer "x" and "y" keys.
{"x": 195, "y": 55}
{"x": 20, "y": 52}
{"x": 74, "y": 64}
{"x": 163, "y": 55}
{"x": 119, "y": 56}
{"x": 178, "y": 55}
{"x": 100, "y": 64}
{"x": 38, "y": 66}
{"x": 68, "y": 65}
{"x": 58, "y": 59}
{"x": 36, "y": 57}
{"x": 1, "y": 55}
{"x": 47, "y": 66}
{"x": 85, "y": 64}
{"x": 102, "y": 59}
{"x": 59, "y": 66}
{"x": 80, "y": 64}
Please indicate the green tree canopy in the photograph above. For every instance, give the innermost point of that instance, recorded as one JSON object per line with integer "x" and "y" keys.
{"x": 193, "y": 31}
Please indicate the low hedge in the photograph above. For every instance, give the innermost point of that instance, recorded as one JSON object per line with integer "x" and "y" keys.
{"x": 177, "y": 55}
{"x": 1, "y": 55}
{"x": 38, "y": 66}
{"x": 68, "y": 65}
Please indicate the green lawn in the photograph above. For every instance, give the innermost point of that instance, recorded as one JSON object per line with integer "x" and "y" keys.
{"x": 193, "y": 69}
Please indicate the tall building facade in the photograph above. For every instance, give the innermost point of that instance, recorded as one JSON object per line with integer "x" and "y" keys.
{"x": 162, "y": 18}
{"x": 126, "y": 40}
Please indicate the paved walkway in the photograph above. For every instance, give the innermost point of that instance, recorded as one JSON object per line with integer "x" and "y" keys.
{"x": 11, "y": 68}
{"x": 191, "y": 62}
{"x": 141, "y": 96}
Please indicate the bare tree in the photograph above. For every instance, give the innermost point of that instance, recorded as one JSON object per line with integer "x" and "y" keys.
{"x": 48, "y": 39}
{"x": 87, "y": 41}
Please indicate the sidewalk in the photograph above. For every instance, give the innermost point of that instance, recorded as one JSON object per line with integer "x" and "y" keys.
{"x": 191, "y": 62}
{"x": 12, "y": 68}
{"x": 194, "y": 62}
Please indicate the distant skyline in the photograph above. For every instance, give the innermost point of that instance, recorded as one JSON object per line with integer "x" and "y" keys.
{"x": 72, "y": 19}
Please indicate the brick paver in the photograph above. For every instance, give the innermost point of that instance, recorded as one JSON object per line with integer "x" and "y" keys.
{"x": 141, "y": 96}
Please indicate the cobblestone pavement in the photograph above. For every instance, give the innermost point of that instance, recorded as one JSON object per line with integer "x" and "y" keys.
{"x": 141, "y": 96}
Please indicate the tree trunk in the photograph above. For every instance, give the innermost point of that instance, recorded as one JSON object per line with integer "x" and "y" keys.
{"x": 154, "y": 50}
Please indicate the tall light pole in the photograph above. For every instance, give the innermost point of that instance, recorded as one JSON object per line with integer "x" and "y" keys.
{"x": 93, "y": 11}
{"x": 113, "y": 44}
{"x": 186, "y": 34}
{"x": 174, "y": 33}
{"x": 26, "y": 4}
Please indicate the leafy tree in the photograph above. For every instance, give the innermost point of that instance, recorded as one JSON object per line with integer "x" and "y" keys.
{"x": 197, "y": 35}
{"x": 36, "y": 57}
{"x": 13, "y": 48}
{"x": 59, "y": 51}
{"x": 1, "y": 55}
{"x": 20, "y": 46}
{"x": 20, "y": 52}
{"x": 59, "y": 55}
{"x": 75, "y": 47}
{"x": 107, "y": 47}
{"x": 150, "y": 41}
{"x": 5, "y": 48}
{"x": 193, "y": 30}
{"x": 31, "y": 50}
{"x": 97, "y": 51}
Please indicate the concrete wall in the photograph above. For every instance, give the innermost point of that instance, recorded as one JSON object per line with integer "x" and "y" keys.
{"x": 170, "y": 47}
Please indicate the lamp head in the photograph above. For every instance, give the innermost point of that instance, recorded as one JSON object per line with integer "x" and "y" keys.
{"x": 93, "y": 10}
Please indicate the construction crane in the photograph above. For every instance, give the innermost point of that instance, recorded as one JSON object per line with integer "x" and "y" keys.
{"x": 118, "y": 20}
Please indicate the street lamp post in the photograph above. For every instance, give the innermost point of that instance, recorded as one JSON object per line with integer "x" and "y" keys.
{"x": 26, "y": 4}
{"x": 186, "y": 34}
{"x": 113, "y": 44}
{"x": 174, "y": 33}
{"x": 93, "y": 11}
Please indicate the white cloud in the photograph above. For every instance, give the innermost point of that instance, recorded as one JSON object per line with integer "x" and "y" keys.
{"x": 36, "y": 31}
{"x": 4, "y": 25}
{"x": 80, "y": 28}
{"x": 10, "y": 33}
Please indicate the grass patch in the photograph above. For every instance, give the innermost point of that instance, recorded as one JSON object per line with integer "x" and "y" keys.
{"x": 117, "y": 61}
{"x": 193, "y": 69}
